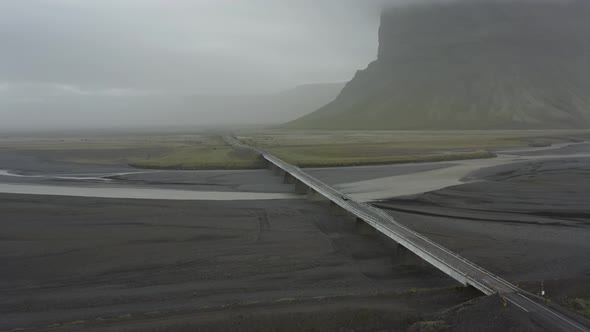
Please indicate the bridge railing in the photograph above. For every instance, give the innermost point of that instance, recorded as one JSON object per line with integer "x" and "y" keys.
{"x": 468, "y": 279}
{"x": 334, "y": 196}
{"x": 319, "y": 187}
{"x": 449, "y": 252}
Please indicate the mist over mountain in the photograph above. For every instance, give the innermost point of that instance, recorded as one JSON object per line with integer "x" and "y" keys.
{"x": 471, "y": 65}
{"x": 64, "y": 108}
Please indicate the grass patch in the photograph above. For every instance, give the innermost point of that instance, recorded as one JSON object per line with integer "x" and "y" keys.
{"x": 351, "y": 148}
{"x": 183, "y": 152}
{"x": 302, "y": 148}
{"x": 580, "y": 305}
{"x": 302, "y": 160}
{"x": 200, "y": 158}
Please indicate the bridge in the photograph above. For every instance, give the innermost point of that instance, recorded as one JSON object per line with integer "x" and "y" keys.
{"x": 452, "y": 264}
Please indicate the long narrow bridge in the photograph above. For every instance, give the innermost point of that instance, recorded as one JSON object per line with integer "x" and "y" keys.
{"x": 452, "y": 264}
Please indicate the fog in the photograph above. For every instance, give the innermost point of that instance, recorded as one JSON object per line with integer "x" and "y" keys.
{"x": 104, "y": 63}
{"x": 66, "y": 62}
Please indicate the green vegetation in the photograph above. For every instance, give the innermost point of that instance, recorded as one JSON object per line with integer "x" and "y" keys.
{"x": 304, "y": 161}
{"x": 164, "y": 151}
{"x": 302, "y": 148}
{"x": 579, "y": 305}
{"x": 352, "y": 148}
{"x": 467, "y": 73}
{"x": 201, "y": 158}
{"x": 455, "y": 67}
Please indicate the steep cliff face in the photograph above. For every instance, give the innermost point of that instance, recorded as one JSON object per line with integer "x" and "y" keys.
{"x": 471, "y": 65}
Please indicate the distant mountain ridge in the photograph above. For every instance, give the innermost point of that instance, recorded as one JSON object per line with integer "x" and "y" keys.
{"x": 471, "y": 65}
{"x": 263, "y": 109}
{"x": 167, "y": 110}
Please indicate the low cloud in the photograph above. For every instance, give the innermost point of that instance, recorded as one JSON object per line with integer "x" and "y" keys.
{"x": 57, "y": 53}
{"x": 185, "y": 46}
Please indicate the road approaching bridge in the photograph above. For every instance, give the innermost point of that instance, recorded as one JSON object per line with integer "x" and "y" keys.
{"x": 457, "y": 267}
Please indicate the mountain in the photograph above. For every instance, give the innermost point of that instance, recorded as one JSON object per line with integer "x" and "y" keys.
{"x": 471, "y": 64}
{"x": 62, "y": 109}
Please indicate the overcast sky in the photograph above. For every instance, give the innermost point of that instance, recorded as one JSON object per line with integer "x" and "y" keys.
{"x": 120, "y": 48}
{"x": 184, "y": 45}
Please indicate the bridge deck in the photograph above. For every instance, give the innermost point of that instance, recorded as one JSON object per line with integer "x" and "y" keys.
{"x": 459, "y": 268}
{"x": 452, "y": 264}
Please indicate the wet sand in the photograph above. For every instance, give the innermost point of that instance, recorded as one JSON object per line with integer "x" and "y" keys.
{"x": 67, "y": 259}
{"x": 139, "y": 193}
{"x": 220, "y": 181}
{"x": 419, "y": 178}
{"x": 528, "y": 222}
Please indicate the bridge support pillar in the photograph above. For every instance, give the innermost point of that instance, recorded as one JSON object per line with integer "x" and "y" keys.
{"x": 404, "y": 256}
{"x": 264, "y": 163}
{"x": 300, "y": 187}
{"x": 337, "y": 210}
{"x": 276, "y": 170}
{"x": 289, "y": 179}
{"x": 362, "y": 228}
{"x": 313, "y": 195}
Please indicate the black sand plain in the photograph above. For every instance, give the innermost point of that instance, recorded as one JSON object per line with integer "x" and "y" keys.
{"x": 67, "y": 260}
{"x": 529, "y": 222}
{"x": 88, "y": 264}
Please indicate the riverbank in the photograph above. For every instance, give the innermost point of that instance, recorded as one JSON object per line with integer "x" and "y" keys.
{"x": 527, "y": 222}
{"x": 325, "y": 148}
{"x": 208, "y": 151}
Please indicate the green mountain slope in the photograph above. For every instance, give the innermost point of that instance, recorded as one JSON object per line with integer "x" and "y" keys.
{"x": 471, "y": 65}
